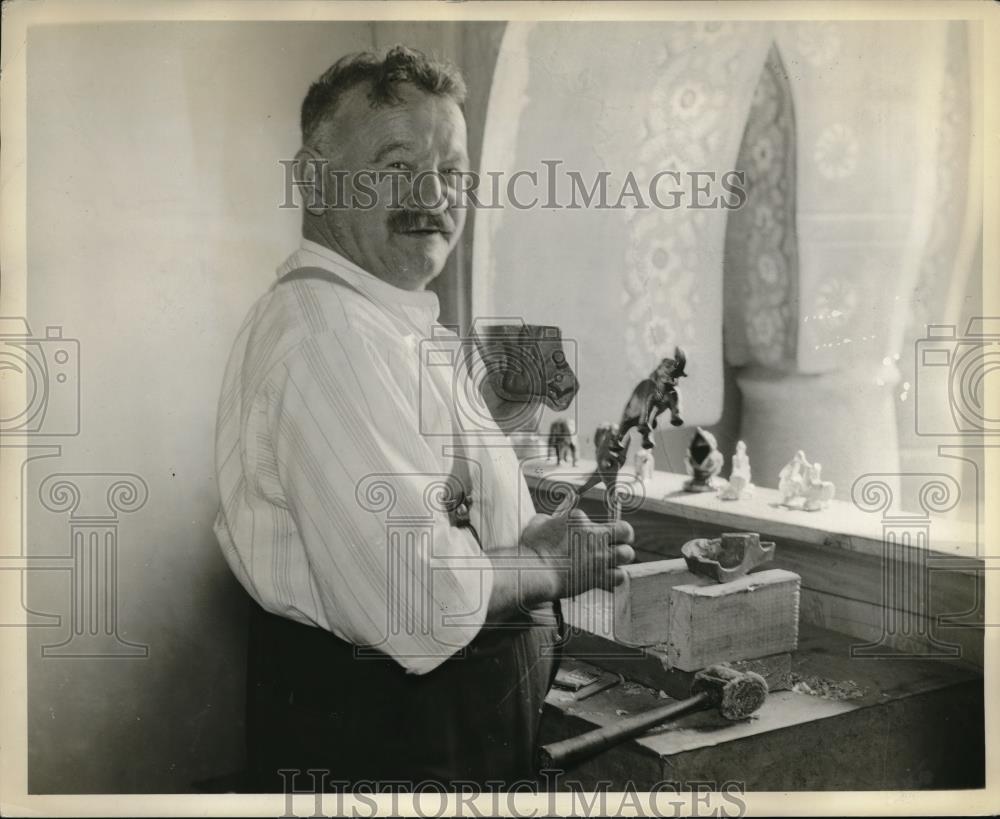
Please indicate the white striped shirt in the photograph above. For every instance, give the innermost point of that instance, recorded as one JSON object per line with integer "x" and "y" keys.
{"x": 342, "y": 415}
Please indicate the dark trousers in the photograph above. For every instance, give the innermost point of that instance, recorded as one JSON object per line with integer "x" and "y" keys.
{"x": 314, "y": 702}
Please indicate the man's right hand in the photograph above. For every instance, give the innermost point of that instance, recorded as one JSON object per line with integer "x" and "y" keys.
{"x": 582, "y": 554}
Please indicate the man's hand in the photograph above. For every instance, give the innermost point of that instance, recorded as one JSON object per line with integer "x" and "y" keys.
{"x": 558, "y": 556}
{"x": 581, "y": 554}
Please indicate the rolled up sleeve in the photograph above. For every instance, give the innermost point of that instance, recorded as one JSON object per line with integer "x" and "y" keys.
{"x": 365, "y": 491}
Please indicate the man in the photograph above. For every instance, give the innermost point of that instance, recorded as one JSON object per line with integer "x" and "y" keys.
{"x": 403, "y": 624}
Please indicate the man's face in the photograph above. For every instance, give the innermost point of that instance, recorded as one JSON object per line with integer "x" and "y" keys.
{"x": 417, "y": 148}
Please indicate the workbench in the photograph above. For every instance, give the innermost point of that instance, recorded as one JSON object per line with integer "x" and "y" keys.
{"x": 903, "y": 724}
{"x": 875, "y": 707}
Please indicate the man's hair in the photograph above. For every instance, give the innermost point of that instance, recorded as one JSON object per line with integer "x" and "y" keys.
{"x": 383, "y": 74}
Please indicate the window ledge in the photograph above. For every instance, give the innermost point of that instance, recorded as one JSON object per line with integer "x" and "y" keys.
{"x": 856, "y": 578}
{"x": 841, "y": 525}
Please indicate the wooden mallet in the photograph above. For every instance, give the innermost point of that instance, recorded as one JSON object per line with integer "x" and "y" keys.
{"x": 737, "y": 695}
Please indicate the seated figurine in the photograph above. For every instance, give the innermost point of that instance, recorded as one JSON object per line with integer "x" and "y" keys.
{"x": 791, "y": 479}
{"x": 801, "y": 485}
{"x": 739, "y": 485}
{"x": 704, "y": 463}
{"x": 818, "y": 493}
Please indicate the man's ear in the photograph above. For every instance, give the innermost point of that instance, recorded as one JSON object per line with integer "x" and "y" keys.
{"x": 310, "y": 178}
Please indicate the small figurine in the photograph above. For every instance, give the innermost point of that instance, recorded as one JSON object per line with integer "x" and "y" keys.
{"x": 704, "y": 462}
{"x": 791, "y": 479}
{"x": 643, "y": 462}
{"x": 605, "y": 436}
{"x": 818, "y": 492}
{"x": 610, "y": 457}
{"x": 801, "y": 485}
{"x": 562, "y": 441}
{"x": 652, "y": 396}
{"x": 739, "y": 485}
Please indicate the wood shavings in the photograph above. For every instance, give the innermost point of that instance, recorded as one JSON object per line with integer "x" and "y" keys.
{"x": 826, "y": 689}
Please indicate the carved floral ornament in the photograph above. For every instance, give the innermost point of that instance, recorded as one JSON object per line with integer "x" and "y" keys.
{"x": 687, "y": 125}
{"x": 801, "y": 269}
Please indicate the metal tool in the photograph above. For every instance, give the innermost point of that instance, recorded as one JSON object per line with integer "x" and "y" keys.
{"x": 573, "y": 679}
{"x": 606, "y": 681}
{"x": 583, "y": 684}
{"x": 737, "y": 695}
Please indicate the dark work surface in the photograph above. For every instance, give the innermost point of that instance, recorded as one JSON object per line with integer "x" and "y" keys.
{"x": 917, "y": 724}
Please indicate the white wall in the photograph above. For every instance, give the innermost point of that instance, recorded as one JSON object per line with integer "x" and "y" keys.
{"x": 625, "y": 285}
{"x": 153, "y": 192}
{"x": 154, "y": 223}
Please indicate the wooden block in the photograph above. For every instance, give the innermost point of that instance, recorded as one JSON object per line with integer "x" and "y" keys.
{"x": 592, "y": 612}
{"x": 636, "y": 613}
{"x": 650, "y": 666}
{"x": 753, "y": 616}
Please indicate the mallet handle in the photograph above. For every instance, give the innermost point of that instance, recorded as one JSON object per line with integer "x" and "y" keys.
{"x": 568, "y": 751}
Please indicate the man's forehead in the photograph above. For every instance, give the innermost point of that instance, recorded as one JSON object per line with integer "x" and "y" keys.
{"x": 356, "y": 114}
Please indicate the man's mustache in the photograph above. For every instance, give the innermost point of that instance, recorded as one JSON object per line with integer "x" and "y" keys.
{"x": 405, "y": 221}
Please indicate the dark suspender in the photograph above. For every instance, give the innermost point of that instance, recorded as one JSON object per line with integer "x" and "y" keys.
{"x": 317, "y": 273}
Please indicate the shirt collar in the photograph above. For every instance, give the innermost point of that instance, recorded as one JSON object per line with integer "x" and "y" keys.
{"x": 416, "y": 304}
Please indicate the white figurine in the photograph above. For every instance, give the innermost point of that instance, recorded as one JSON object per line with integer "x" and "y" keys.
{"x": 644, "y": 464}
{"x": 801, "y": 485}
{"x": 739, "y": 485}
{"x": 791, "y": 481}
{"x": 818, "y": 493}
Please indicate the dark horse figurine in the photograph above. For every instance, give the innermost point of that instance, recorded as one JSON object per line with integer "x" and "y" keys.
{"x": 652, "y": 396}
{"x": 561, "y": 442}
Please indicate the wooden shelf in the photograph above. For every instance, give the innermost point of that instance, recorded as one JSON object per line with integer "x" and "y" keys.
{"x": 854, "y": 579}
